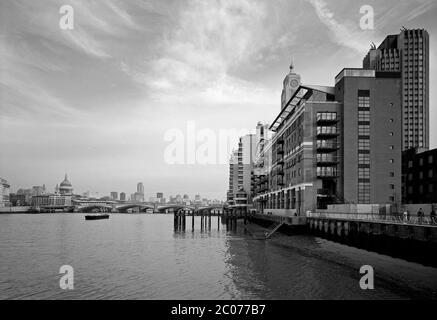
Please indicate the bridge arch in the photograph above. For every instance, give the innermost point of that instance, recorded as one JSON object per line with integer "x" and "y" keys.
{"x": 141, "y": 207}
{"x": 208, "y": 209}
{"x": 175, "y": 208}
{"x": 95, "y": 208}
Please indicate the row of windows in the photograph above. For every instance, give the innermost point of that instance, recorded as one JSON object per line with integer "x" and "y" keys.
{"x": 363, "y": 158}
{"x": 327, "y": 116}
{"x": 421, "y": 161}
{"x": 326, "y": 157}
{"x": 421, "y": 175}
{"x": 363, "y": 102}
{"x": 327, "y": 171}
{"x": 363, "y": 144}
{"x": 422, "y": 188}
{"x": 363, "y": 173}
{"x": 364, "y": 192}
{"x": 326, "y": 143}
{"x": 363, "y": 115}
{"x": 326, "y": 130}
{"x": 364, "y": 130}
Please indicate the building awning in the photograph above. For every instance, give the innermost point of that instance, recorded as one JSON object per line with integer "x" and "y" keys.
{"x": 289, "y": 108}
{"x": 300, "y": 94}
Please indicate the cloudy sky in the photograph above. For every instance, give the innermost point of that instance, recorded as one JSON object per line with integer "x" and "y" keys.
{"x": 97, "y": 101}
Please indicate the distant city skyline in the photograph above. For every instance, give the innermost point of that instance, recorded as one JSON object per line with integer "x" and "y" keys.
{"x": 117, "y": 194}
{"x": 96, "y": 101}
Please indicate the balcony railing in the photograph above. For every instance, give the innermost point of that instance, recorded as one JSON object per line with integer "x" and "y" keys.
{"x": 327, "y": 145}
{"x": 395, "y": 218}
{"x": 325, "y": 192}
{"x": 279, "y": 171}
{"x": 327, "y": 159}
{"x": 328, "y": 117}
{"x": 327, "y": 172}
{"x": 327, "y": 131}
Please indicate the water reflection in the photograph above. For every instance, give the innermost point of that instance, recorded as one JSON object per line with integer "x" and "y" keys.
{"x": 142, "y": 257}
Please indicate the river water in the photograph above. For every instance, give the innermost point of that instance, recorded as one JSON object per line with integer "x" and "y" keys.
{"x": 142, "y": 257}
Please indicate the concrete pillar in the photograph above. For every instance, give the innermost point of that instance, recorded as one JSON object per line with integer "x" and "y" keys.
{"x": 298, "y": 201}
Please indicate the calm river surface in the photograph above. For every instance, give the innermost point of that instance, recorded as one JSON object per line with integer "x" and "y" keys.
{"x": 141, "y": 257}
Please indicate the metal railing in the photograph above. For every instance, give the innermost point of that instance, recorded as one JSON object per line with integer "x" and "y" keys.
{"x": 327, "y": 116}
{"x": 376, "y": 217}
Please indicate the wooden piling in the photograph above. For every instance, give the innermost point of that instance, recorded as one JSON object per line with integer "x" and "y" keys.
{"x": 184, "y": 220}
{"x": 201, "y": 220}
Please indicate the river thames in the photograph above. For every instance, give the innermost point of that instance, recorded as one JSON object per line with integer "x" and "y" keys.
{"x": 142, "y": 257}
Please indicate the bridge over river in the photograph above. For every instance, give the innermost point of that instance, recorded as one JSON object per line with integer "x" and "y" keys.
{"x": 144, "y": 207}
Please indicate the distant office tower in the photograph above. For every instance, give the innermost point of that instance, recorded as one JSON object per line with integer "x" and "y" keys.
{"x": 140, "y": 187}
{"x": 263, "y": 157}
{"x": 137, "y": 197}
{"x": 4, "y": 193}
{"x": 239, "y": 195}
{"x": 160, "y": 197}
{"x": 38, "y": 190}
{"x": 122, "y": 196}
{"x": 233, "y": 176}
{"x": 408, "y": 53}
{"x": 114, "y": 195}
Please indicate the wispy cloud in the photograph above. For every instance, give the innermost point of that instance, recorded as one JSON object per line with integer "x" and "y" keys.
{"x": 424, "y": 6}
{"x": 210, "y": 40}
{"x": 347, "y": 33}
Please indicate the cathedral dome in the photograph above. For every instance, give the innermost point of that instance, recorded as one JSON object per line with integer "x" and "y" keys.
{"x": 65, "y": 183}
{"x": 65, "y": 187}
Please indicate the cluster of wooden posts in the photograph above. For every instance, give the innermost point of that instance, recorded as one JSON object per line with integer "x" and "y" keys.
{"x": 206, "y": 219}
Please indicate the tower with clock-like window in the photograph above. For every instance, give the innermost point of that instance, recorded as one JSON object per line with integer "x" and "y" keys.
{"x": 291, "y": 83}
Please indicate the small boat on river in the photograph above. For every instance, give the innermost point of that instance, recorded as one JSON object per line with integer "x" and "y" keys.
{"x": 97, "y": 216}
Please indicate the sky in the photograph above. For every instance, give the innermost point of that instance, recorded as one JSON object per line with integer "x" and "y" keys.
{"x": 97, "y": 101}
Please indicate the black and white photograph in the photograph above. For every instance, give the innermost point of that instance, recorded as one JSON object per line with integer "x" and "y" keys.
{"x": 218, "y": 155}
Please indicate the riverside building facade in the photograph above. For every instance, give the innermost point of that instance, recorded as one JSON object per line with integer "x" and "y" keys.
{"x": 419, "y": 168}
{"x": 338, "y": 144}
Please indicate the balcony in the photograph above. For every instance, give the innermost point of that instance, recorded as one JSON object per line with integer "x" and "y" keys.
{"x": 279, "y": 171}
{"x": 327, "y": 172}
{"x": 280, "y": 149}
{"x": 327, "y": 159}
{"x": 327, "y": 146}
{"x": 280, "y": 160}
{"x": 327, "y": 118}
{"x": 325, "y": 193}
{"x": 280, "y": 140}
{"x": 240, "y": 197}
{"x": 328, "y": 132}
